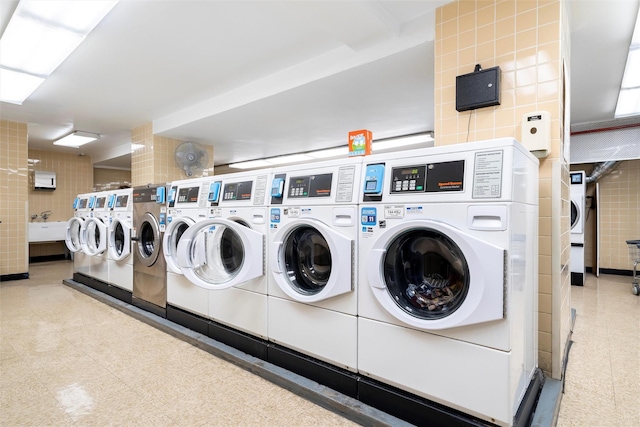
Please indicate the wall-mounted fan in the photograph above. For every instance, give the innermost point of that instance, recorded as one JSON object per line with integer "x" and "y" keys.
{"x": 191, "y": 157}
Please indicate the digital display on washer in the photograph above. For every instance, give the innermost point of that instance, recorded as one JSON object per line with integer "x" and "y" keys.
{"x": 576, "y": 178}
{"x": 310, "y": 186}
{"x": 83, "y": 204}
{"x": 188, "y": 195}
{"x": 100, "y": 202}
{"x": 121, "y": 201}
{"x": 408, "y": 179}
{"x": 237, "y": 191}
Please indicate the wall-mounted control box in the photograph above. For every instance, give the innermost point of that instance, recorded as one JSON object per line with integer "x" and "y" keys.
{"x": 44, "y": 180}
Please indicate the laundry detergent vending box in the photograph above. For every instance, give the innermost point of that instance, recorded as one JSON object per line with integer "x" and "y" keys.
{"x": 359, "y": 143}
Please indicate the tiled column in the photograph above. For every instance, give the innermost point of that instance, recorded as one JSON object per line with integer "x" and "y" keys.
{"x": 14, "y": 179}
{"x": 152, "y": 160}
{"x": 529, "y": 41}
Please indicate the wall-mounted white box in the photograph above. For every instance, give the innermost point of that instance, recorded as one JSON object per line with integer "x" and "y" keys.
{"x": 44, "y": 180}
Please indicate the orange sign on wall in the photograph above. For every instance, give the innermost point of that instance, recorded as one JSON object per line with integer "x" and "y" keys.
{"x": 360, "y": 143}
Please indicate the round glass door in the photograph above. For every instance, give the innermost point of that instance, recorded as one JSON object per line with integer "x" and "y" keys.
{"x": 172, "y": 235}
{"x": 575, "y": 214}
{"x": 119, "y": 240}
{"x": 149, "y": 242}
{"x": 94, "y": 237}
{"x": 307, "y": 260}
{"x": 218, "y": 254}
{"x": 426, "y": 273}
{"x": 73, "y": 237}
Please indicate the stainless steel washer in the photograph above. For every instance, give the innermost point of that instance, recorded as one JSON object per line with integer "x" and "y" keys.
{"x": 149, "y": 264}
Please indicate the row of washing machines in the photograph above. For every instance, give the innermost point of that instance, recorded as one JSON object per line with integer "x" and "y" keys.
{"x": 405, "y": 280}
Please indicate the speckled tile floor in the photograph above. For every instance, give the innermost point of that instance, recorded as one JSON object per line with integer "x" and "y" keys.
{"x": 602, "y": 382}
{"x": 67, "y": 359}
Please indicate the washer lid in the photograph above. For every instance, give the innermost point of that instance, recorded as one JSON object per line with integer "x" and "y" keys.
{"x": 94, "y": 236}
{"x": 311, "y": 261}
{"x": 119, "y": 239}
{"x": 432, "y": 276}
{"x": 220, "y": 253}
{"x": 73, "y": 238}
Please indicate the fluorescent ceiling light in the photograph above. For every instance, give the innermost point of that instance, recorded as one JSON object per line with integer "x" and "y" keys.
{"x": 76, "y": 139}
{"x": 629, "y": 96}
{"x": 252, "y": 164}
{"x": 329, "y": 152}
{"x": 293, "y": 158}
{"x": 42, "y": 34}
{"x": 402, "y": 141}
{"x": 15, "y": 87}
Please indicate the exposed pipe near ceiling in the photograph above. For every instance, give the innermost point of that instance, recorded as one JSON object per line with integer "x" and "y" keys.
{"x": 600, "y": 170}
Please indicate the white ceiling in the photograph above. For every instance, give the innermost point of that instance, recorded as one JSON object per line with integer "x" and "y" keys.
{"x": 263, "y": 78}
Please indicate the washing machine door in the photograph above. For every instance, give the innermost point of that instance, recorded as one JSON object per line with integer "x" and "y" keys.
{"x": 94, "y": 236}
{"x": 220, "y": 253}
{"x": 432, "y": 276}
{"x": 149, "y": 241}
{"x": 172, "y": 235}
{"x": 119, "y": 239}
{"x": 576, "y": 217}
{"x": 73, "y": 238}
{"x": 311, "y": 261}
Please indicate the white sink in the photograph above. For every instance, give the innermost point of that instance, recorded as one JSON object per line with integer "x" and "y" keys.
{"x": 47, "y": 231}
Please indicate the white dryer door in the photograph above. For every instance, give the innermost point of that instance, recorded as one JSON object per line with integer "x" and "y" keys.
{"x": 119, "y": 239}
{"x": 432, "y": 276}
{"x": 577, "y": 221}
{"x": 311, "y": 261}
{"x": 94, "y": 236}
{"x": 172, "y": 235}
{"x": 73, "y": 238}
{"x": 219, "y": 253}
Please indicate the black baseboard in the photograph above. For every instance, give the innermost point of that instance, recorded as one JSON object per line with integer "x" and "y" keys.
{"x": 45, "y": 258}
{"x": 17, "y": 276}
{"x": 577, "y": 279}
{"x": 188, "y": 320}
{"x": 150, "y": 307}
{"x": 246, "y": 343}
{"x": 616, "y": 272}
{"x": 323, "y": 373}
{"x": 411, "y": 408}
{"x": 119, "y": 293}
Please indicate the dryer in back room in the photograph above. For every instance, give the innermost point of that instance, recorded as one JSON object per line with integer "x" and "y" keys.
{"x": 224, "y": 256}
{"x": 73, "y": 238}
{"x": 120, "y": 257}
{"x": 447, "y": 306}
{"x": 95, "y": 237}
{"x": 578, "y": 223}
{"x": 313, "y": 265}
{"x": 149, "y": 265}
{"x": 187, "y": 203}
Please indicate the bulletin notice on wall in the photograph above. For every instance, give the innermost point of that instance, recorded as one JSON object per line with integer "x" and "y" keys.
{"x": 487, "y": 175}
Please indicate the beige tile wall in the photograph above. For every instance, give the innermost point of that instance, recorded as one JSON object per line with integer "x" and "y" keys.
{"x": 14, "y": 202}
{"x": 74, "y": 175}
{"x": 619, "y": 215}
{"x": 528, "y": 40}
{"x": 154, "y": 162}
{"x": 110, "y": 179}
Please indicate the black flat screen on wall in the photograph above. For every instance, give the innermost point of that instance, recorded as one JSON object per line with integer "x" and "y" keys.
{"x": 478, "y": 89}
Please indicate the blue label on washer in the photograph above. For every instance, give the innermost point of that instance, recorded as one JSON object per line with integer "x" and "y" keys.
{"x": 368, "y": 216}
{"x": 275, "y": 215}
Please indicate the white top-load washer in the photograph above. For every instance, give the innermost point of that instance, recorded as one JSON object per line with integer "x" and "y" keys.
{"x": 313, "y": 260}
{"x": 224, "y": 255}
{"x": 578, "y": 221}
{"x": 73, "y": 237}
{"x": 187, "y": 203}
{"x": 94, "y": 234}
{"x": 121, "y": 221}
{"x": 448, "y": 275}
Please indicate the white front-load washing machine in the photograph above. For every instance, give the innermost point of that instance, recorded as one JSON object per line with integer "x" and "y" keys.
{"x": 448, "y": 278}
{"x": 224, "y": 257}
{"x": 94, "y": 234}
{"x": 578, "y": 222}
{"x": 187, "y": 203}
{"x": 73, "y": 237}
{"x": 120, "y": 257}
{"x": 313, "y": 299}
